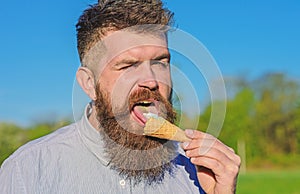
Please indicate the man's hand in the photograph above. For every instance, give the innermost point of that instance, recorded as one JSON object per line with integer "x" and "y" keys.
{"x": 217, "y": 164}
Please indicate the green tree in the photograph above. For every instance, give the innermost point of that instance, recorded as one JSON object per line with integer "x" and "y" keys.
{"x": 13, "y": 136}
{"x": 263, "y": 113}
{"x": 276, "y": 113}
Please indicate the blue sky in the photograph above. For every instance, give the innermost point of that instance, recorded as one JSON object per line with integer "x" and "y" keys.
{"x": 39, "y": 57}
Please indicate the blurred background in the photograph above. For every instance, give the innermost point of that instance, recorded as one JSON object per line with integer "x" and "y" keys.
{"x": 255, "y": 44}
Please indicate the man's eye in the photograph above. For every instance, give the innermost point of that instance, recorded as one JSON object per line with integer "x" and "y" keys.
{"x": 124, "y": 67}
{"x": 127, "y": 66}
{"x": 161, "y": 63}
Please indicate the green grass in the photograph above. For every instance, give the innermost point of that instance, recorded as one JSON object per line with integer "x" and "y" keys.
{"x": 269, "y": 182}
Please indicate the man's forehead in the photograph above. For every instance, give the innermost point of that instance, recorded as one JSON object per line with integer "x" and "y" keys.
{"x": 118, "y": 43}
{"x": 121, "y": 41}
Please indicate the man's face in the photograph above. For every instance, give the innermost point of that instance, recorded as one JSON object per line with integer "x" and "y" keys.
{"x": 136, "y": 79}
{"x": 134, "y": 62}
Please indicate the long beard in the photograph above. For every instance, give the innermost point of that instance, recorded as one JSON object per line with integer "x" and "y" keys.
{"x": 135, "y": 157}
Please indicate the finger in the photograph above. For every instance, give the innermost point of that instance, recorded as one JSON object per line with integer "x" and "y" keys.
{"x": 214, "y": 165}
{"x": 205, "y": 147}
{"x": 219, "y": 168}
{"x": 193, "y": 133}
{"x": 224, "y": 176}
{"x": 211, "y": 153}
{"x": 205, "y": 138}
{"x": 202, "y": 140}
{"x": 215, "y": 154}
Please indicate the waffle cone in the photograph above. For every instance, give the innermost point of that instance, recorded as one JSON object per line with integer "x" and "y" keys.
{"x": 161, "y": 128}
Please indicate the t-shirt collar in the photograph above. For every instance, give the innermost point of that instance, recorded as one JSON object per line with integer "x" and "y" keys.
{"x": 91, "y": 137}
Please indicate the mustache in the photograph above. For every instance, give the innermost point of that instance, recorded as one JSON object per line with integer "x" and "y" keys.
{"x": 144, "y": 94}
{"x": 136, "y": 96}
{"x": 164, "y": 105}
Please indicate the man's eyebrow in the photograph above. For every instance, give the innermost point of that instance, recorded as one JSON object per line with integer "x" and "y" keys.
{"x": 162, "y": 56}
{"x": 126, "y": 61}
{"x": 134, "y": 60}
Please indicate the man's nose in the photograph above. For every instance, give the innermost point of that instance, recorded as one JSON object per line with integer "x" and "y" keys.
{"x": 147, "y": 77}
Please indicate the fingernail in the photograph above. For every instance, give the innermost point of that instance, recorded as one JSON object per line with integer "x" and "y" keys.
{"x": 189, "y": 132}
{"x": 185, "y": 144}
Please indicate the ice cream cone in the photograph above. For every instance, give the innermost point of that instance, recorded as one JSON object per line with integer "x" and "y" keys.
{"x": 161, "y": 128}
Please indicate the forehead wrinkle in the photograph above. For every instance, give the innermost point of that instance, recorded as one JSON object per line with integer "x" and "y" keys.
{"x": 119, "y": 42}
{"x": 147, "y": 52}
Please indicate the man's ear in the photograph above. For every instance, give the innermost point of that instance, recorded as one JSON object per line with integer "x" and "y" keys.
{"x": 86, "y": 80}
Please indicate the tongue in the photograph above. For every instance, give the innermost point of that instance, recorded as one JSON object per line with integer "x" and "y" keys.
{"x": 140, "y": 110}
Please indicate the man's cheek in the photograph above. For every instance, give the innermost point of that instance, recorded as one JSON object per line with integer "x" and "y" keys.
{"x": 121, "y": 90}
{"x": 163, "y": 77}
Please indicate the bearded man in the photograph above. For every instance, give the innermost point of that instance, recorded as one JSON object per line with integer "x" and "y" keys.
{"x": 125, "y": 71}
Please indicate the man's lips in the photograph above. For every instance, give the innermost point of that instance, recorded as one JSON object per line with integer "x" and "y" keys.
{"x": 142, "y": 107}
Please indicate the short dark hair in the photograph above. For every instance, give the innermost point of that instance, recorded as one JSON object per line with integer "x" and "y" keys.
{"x": 113, "y": 15}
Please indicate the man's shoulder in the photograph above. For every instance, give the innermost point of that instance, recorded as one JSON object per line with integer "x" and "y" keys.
{"x": 51, "y": 141}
